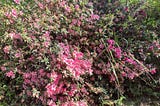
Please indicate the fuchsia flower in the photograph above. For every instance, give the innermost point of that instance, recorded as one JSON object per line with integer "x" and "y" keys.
{"x": 74, "y": 61}
{"x": 53, "y": 75}
{"x": 118, "y": 52}
{"x": 73, "y": 90}
{"x": 53, "y": 88}
{"x": 153, "y": 71}
{"x": 110, "y": 44}
{"x": 131, "y": 61}
{"x": 77, "y": 55}
{"x": 77, "y": 67}
{"x": 10, "y": 74}
{"x": 17, "y": 1}
{"x": 126, "y": 9}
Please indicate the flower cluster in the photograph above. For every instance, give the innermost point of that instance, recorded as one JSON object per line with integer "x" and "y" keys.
{"x": 74, "y": 61}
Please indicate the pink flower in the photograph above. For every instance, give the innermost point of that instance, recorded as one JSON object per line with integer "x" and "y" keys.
{"x": 41, "y": 72}
{"x": 74, "y": 61}
{"x": 99, "y": 50}
{"x": 47, "y": 33}
{"x": 98, "y": 72}
{"x": 153, "y": 71}
{"x": 10, "y": 74}
{"x": 110, "y": 42}
{"x": 124, "y": 74}
{"x": 62, "y": 4}
{"x": 15, "y": 36}
{"x": 14, "y": 13}
{"x": 60, "y": 88}
{"x": 53, "y": 87}
{"x": 17, "y": 55}
{"x": 6, "y": 49}
{"x": 3, "y": 68}
{"x": 101, "y": 46}
{"x": 7, "y": 15}
{"x": 118, "y": 53}
{"x": 79, "y": 22}
{"x": 51, "y": 103}
{"x": 77, "y": 7}
{"x": 46, "y": 44}
{"x": 11, "y": 21}
{"x": 68, "y": 9}
{"x": 74, "y": 21}
{"x": 26, "y": 75}
{"x": 27, "y": 81}
{"x": 40, "y": 5}
{"x": 126, "y": 9}
{"x": 131, "y": 75}
{"x": 131, "y": 61}
{"x": 110, "y": 47}
{"x": 78, "y": 55}
{"x": 17, "y": 1}
{"x": 73, "y": 90}
{"x": 54, "y": 75}
{"x": 95, "y": 17}
{"x": 69, "y": 103}
{"x": 82, "y": 103}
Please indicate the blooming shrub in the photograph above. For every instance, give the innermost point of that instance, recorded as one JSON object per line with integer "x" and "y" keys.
{"x": 74, "y": 53}
{"x": 74, "y": 61}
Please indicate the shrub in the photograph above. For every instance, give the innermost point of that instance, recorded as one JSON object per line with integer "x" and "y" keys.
{"x": 76, "y": 52}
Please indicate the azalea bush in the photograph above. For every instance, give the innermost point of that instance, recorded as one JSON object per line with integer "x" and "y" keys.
{"x": 76, "y": 52}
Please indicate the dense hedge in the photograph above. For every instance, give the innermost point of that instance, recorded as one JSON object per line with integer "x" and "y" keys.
{"x": 78, "y": 52}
